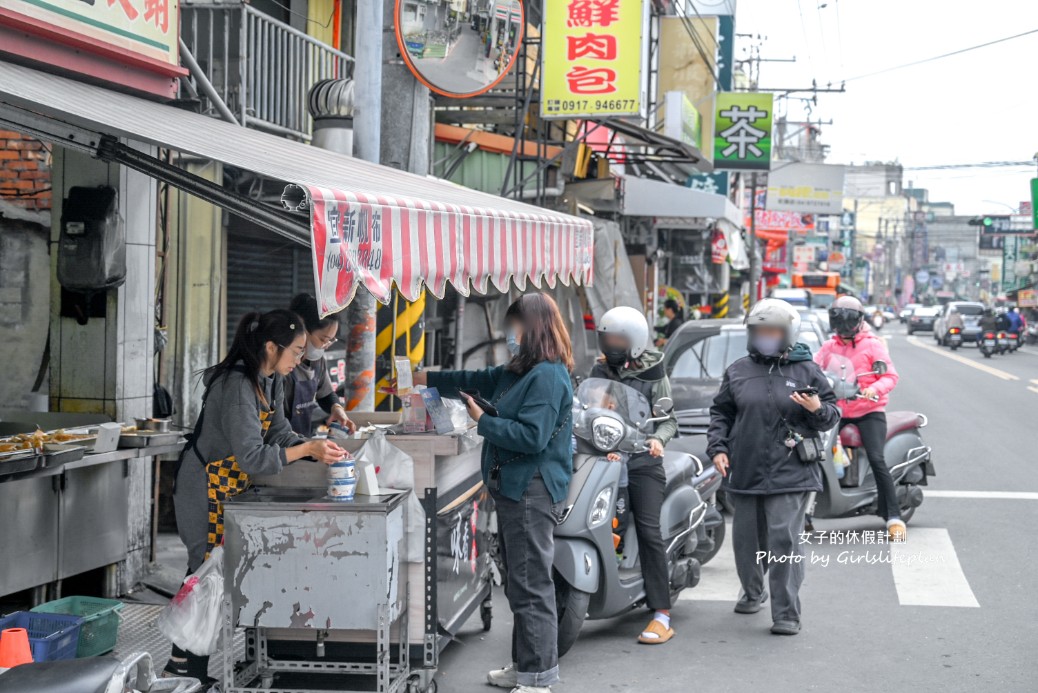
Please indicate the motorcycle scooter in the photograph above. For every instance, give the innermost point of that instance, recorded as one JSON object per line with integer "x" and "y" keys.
{"x": 908, "y": 457}
{"x": 591, "y": 580}
{"x": 988, "y": 344}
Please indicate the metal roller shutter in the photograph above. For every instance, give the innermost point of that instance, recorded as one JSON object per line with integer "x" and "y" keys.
{"x": 264, "y": 272}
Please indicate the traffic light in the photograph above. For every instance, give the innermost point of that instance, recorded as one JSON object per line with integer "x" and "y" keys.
{"x": 986, "y": 222}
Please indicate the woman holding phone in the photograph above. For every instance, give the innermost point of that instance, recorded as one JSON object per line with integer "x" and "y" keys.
{"x": 527, "y": 466}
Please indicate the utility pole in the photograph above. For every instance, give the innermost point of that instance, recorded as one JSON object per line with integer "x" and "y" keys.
{"x": 367, "y": 120}
{"x": 754, "y": 264}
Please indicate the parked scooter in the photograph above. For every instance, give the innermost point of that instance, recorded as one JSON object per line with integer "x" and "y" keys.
{"x": 135, "y": 674}
{"x": 591, "y": 580}
{"x": 988, "y": 344}
{"x": 849, "y": 488}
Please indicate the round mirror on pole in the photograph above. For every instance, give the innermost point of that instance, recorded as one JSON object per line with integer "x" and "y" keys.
{"x": 456, "y": 49}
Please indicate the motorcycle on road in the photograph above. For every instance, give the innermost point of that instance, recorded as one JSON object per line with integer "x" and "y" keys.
{"x": 849, "y": 488}
{"x": 591, "y": 580}
{"x": 988, "y": 344}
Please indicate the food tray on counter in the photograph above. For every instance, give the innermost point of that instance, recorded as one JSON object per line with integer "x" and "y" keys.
{"x": 58, "y": 454}
{"x": 144, "y": 439}
{"x": 19, "y": 461}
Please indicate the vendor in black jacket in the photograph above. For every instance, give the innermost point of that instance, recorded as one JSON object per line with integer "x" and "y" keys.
{"x": 770, "y": 401}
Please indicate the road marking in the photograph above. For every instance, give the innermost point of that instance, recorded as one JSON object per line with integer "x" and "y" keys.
{"x": 927, "y": 571}
{"x": 1033, "y": 389}
{"x": 990, "y": 370}
{"x": 986, "y": 495}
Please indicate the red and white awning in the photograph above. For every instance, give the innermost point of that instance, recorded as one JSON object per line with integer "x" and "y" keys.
{"x": 380, "y": 241}
{"x": 390, "y": 227}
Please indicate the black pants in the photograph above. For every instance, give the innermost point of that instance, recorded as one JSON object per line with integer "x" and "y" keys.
{"x": 646, "y": 484}
{"x": 527, "y": 530}
{"x": 873, "y": 429}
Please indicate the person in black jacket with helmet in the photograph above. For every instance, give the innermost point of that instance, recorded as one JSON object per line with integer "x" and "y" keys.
{"x": 771, "y": 405}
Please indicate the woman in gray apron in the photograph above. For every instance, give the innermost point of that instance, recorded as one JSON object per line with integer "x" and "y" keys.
{"x": 310, "y": 385}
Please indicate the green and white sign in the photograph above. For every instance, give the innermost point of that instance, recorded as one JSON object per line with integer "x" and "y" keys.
{"x": 742, "y": 131}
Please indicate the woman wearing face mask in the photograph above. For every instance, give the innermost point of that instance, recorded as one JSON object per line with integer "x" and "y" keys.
{"x": 623, "y": 337}
{"x": 310, "y": 385}
{"x": 527, "y": 465}
{"x": 769, "y": 403}
{"x": 241, "y": 431}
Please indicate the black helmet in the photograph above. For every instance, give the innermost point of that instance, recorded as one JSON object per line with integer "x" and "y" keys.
{"x": 846, "y": 316}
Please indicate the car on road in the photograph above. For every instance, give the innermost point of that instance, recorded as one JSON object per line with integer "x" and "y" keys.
{"x": 970, "y": 311}
{"x": 906, "y": 312}
{"x": 923, "y": 319}
{"x": 696, "y": 357}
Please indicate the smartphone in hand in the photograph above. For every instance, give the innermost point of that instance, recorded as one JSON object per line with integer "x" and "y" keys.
{"x": 806, "y": 391}
{"x": 486, "y": 406}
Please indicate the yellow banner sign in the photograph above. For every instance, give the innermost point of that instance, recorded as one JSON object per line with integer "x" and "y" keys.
{"x": 591, "y": 55}
{"x": 144, "y": 27}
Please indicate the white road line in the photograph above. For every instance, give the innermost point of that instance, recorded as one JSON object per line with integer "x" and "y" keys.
{"x": 963, "y": 360}
{"x": 927, "y": 571}
{"x": 1033, "y": 389}
{"x": 983, "y": 495}
{"x": 720, "y": 582}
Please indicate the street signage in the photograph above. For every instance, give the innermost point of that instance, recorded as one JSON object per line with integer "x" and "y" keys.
{"x": 681, "y": 120}
{"x": 742, "y": 131}
{"x": 144, "y": 28}
{"x": 1034, "y": 203}
{"x": 591, "y": 58}
{"x": 797, "y": 187}
{"x": 1010, "y": 255}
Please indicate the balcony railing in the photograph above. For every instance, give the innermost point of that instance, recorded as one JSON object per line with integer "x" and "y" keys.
{"x": 261, "y": 67}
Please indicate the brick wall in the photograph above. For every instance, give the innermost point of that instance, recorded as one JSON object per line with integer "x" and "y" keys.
{"x": 24, "y": 171}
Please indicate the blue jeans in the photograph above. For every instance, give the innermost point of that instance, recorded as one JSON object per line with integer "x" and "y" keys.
{"x": 527, "y": 536}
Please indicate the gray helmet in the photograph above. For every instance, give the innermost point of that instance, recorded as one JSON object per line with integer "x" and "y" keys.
{"x": 774, "y": 312}
{"x": 628, "y": 323}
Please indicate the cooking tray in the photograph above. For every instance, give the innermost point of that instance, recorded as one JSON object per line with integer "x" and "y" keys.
{"x": 58, "y": 454}
{"x": 18, "y": 461}
{"x": 143, "y": 439}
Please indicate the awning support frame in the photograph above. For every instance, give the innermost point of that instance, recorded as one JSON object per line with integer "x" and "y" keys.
{"x": 109, "y": 148}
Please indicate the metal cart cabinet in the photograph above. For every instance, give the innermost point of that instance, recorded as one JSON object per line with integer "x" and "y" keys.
{"x": 295, "y": 560}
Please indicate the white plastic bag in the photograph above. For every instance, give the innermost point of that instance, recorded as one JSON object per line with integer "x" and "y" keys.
{"x": 394, "y": 469}
{"x": 192, "y": 618}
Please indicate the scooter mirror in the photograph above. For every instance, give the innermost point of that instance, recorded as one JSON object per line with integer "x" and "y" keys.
{"x": 663, "y": 406}
{"x": 879, "y": 367}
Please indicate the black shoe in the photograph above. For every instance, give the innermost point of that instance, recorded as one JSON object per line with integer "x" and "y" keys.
{"x": 785, "y": 627}
{"x": 745, "y": 605}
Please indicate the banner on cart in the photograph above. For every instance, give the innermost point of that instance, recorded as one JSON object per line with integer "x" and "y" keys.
{"x": 463, "y": 552}
{"x": 378, "y": 243}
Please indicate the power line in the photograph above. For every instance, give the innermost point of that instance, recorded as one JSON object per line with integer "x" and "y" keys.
{"x": 943, "y": 55}
{"x": 980, "y": 164}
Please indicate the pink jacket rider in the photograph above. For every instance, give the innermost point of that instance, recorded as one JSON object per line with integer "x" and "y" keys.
{"x": 862, "y": 351}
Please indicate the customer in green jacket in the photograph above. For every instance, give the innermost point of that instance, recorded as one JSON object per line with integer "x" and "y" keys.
{"x": 527, "y": 464}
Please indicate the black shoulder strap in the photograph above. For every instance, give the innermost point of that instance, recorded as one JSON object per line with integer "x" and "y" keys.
{"x": 651, "y": 375}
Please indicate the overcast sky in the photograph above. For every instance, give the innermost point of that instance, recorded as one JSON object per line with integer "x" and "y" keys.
{"x": 976, "y": 107}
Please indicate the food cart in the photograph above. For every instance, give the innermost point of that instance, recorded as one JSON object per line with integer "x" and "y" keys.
{"x": 323, "y": 588}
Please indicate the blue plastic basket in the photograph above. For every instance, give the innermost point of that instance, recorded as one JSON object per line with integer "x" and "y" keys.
{"x": 51, "y": 636}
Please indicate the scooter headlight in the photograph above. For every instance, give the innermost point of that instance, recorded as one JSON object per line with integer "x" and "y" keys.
{"x": 602, "y": 509}
{"x": 606, "y": 433}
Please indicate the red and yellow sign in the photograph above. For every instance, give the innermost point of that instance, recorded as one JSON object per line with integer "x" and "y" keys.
{"x": 592, "y": 58}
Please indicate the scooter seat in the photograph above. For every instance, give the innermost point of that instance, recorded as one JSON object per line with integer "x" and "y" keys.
{"x": 850, "y": 436}
{"x": 90, "y": 675}
{"x": 679, "y": 468}
{"x": 900, "y": 421}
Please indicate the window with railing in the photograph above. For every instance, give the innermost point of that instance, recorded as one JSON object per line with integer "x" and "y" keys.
{"x": 261, "y": 67}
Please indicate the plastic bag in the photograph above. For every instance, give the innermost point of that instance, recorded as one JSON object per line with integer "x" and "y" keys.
{"x": 394, "y": 469}
{"x": 192, "y": 618}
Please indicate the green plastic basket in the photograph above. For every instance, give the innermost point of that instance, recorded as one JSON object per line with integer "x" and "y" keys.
{"x": 100, "y": 629}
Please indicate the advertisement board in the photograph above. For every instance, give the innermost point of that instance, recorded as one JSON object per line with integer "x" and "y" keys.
{"x": 591, "y": 58}
{"x": 147, "y": 28}
{"x": 742, "y": 131}
{"x": 797, "y": 187}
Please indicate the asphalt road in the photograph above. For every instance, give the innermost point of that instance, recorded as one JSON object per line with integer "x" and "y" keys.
{"x": 955, "y": 609}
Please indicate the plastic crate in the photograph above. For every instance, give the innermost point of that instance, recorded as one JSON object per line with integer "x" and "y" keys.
{"x": 100, "y": 629}
{"x": 51, "y": 636}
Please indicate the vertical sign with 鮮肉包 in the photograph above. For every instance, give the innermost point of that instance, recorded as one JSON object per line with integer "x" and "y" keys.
{"x": 591, "y": 53}
{"x": 742, "y": 131}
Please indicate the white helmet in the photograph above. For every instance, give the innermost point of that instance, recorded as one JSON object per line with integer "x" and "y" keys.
{"x": 628, "y": 323}
{"x": 774, "y": 312}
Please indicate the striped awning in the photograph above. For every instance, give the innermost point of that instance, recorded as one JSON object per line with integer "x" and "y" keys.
{"x": 369, "y": 225}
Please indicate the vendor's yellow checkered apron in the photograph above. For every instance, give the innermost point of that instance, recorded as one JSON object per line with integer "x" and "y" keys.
{"x": 226, "y": 480}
